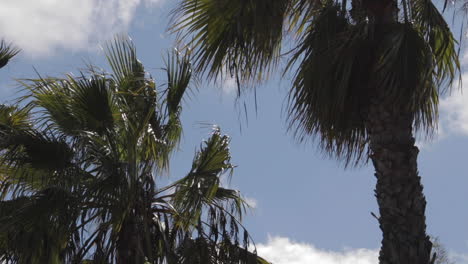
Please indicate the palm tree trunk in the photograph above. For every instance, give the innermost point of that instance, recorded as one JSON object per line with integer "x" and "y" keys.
{"x": 399, "y": 191}
{"x": 129, "y": 249}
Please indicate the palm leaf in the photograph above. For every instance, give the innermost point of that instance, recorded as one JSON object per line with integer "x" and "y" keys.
{"x": 121, "y": 56}
{"x": 200, "y": 187}
{"x": 7, "y": 52}
{"x": 12, "y": 117}
{"x": 406, "y": 70}
{"x": 244, "y": 36}
{"x": 38, "y": 227}
{"x": 329, "y": 90}
{"x": 179, "y": 73}
{"x": 73, "y": 105}
{"x": 430, "y": 23}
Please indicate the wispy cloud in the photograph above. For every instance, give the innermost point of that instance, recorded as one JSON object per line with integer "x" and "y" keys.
{"x": 40, "y": 27}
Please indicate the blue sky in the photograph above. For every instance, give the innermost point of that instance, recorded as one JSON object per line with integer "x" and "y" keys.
{"x": 308, "y": 209}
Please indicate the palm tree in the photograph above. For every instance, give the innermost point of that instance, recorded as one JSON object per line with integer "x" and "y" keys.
{"x": 367, "y": 74}
{"x": 78, "y": 162}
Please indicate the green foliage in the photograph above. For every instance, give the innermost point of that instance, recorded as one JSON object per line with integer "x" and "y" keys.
{"x": 78, "y": 167}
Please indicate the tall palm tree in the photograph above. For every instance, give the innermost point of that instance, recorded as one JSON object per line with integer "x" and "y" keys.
{"x": 78, "y": 163}
{"x": 366, "y": 75}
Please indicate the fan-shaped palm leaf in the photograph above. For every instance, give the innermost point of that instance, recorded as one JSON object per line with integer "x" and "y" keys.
{"x": 244, "y": 36}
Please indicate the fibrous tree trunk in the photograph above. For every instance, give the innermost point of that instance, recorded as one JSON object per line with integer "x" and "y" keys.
{"x": 134, "y": 244}
{"x": 399, "y": 191}
{"x": 129, "y": 246}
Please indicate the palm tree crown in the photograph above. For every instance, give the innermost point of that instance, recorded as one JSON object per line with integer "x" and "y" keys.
{"x": 78, "y": 164}
{"x": 339, "y": 55}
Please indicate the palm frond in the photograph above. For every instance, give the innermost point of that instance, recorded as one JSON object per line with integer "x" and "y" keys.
{"x": 201, "y": 251}
{"x": 38, "y": 228}
{"x": 406, "y": 69}
{"x": 430, "y": 23}
{"x": 201, "y": 186}
{"x": 74, "y": 105}
{"x": 329, "y": 90}
{"x": 179, "y": 77}
{"x": 219, "y": 230}
{"x": 31, "y": 161}
{"x": 7, "y": 52}
{"x": 12, "y": 117}
{"x": 245, "y": 36}
{"x": 121, "y": 56}
{"x": 179, "y": 73}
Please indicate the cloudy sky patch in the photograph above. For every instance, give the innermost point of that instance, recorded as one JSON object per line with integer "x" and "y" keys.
{"x": 281, "y": 250}
{"x": 454, "y": 110}
{"x": 40, "y": 27}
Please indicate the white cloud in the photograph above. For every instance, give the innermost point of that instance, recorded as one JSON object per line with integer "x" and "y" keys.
{"x": 454, "y": 111}
{"x": 458, "y": 258}
{"x": 252, "y": 202}
{"x": 40, "y": 27}
{"x": 227, "y": 83}
{"x": 454, "y": 107}
{"x": 280, "y": 250}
